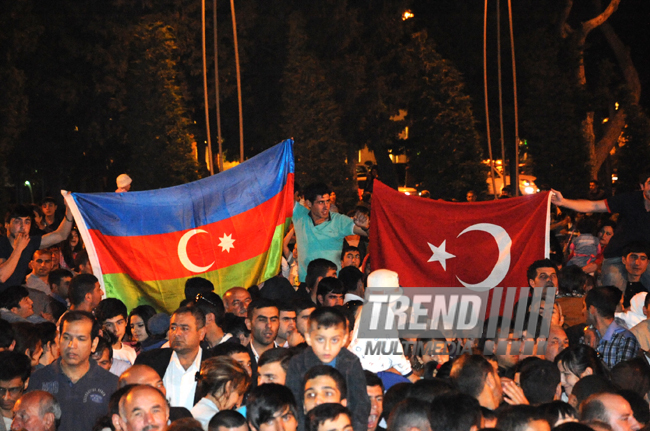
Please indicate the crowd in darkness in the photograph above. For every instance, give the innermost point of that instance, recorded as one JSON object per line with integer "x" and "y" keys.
{"x": 284, "y": 355}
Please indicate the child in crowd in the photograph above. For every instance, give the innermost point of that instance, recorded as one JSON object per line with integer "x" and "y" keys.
{"x": 326, "y": 338}
{"x": 329, "y": 417}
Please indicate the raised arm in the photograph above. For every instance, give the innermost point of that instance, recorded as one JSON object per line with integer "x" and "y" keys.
{"x": 9, "y": 266}
{"x": 579, "y": 205}
{"x": 61, "y": 234}
{"x": 361, "y": 224}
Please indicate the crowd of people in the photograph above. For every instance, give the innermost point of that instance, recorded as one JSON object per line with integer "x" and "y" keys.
{"x": 284, "y": 355}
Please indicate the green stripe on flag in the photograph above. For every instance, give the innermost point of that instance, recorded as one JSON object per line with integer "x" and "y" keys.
{"x": 166, "y": 295}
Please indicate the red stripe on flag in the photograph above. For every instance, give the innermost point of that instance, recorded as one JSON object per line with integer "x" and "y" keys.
{"x": 156, "y": 257}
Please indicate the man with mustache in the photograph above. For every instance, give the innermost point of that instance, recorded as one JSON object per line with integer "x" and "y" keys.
{"x": 143, "y": 408}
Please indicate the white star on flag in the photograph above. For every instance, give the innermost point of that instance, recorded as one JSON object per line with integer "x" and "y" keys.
{"x": 226, "y": 242}
{"x": 439, "y": 254}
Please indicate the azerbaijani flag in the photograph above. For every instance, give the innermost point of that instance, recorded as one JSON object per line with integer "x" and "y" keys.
{"x": 227, "y": 228}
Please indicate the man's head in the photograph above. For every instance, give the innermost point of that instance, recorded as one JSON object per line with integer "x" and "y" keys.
{"x": 541, "y": 381}
{"x": 263, "y": 321}
{"x": 196, "y": 285}
{"x": 454, "y": 411}
{"x": 635, "y": 258}
{"x": 350, "y": 257}
{"x": 236, "y": 301}
{"x": 352, "y": 279}
{"x": 273, "y": 366}
{"x": 324, "y": 384}
{"x": 318, "y": 269}
{"x": 15, "y": 369}
{"x": 186, "y": 330}
{"x": 375, "y": 389}
{"x": 228, "y": 420}
{"x": 7, "y": 336}
{"x": 49, "y": 206}
{"x": 41, "y": 263}
{"x": 143, "y": 408}
{"x": 556, "y": 342}
{"x": 85, "y": 291}
{"x": 112, "y": 315}
{"x": 327, "y": 333}
{"x": 103, "y": 353}
{"x": 237, "y": 352}
{"x": 141, "y": 375}
{"x": 330, "y": 292}
{"x": 304, "y": 308}
{"x": 78, "y": 337}
{"x": 287, "y": 322}
{"x": 36, "y": 411}
{"x": 317, "y": 199}
{"x": 329, "y": 417}
{"x": 521, "y": 418}
{"x": 610, "y": 408}
{"x": 475, "y": 376}
{"x": 410, "y": 415}
{"x": 16, "y": 299}
{"x": 212, "y": 306}
{"x": 602, "y": 301}
{"x": 271, "y": 407}
{"x": 82, "y": 263}
{"x": 19, "y": 220}
{"x": 59, "y": 281}
{"x": 644, "y": 182}
{"x": 471, "y": 196}
{"x": 542, "y": 273}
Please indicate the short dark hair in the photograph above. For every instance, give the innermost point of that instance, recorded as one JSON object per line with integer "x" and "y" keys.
{"x": 318, "y": 268}
{"x": 46, "y": 332}
{"x": 80, "y": 285}
{"x": 77, "y": 315}
{"x": 349, "y": 277}
{"x": 333, "y": 373}
{"x": 542, "y": 263}
{"x": 455, "y": 412}
{"x": 314, "y": 190}
{"x": 211, "y": 303}
{"x": 14, "y": 364}
{"x": 636, "y": 247}
{"x": 644, "y": 175}
{"x": 7, "y": 336}
{"x": 235, "y": 325}
{"x": 258, "y": 304}
{"x": 517, "y": 417}
{"x": 109, "y": 308}
{"x": 409, "y": 413}
{"x": 327, "y": 317}
{"x": 196, "y": 285}
{"x": 19, "y": 211}
{"x": 226, "y": 419}
{"x": 277, "y": 354}
{"x": 104, "y": 344}
{"x": 539, "y": 380}
{"x": 302, "y": 304}
{"x": 593, "y": 409}
{"x": 330, "y": 285}
{"x": 81, "y": 259}
{"x": 373, "y": 379}
{"x": 430, "y": 389}
{"x": 228, "y": 349}
{"x": 27, "y": 337}
{"x": 605, "y": 299}
{"x": 196, "y": 312}
{"x": 55, "y": 277}
{"x": 572, "y": 280}
{"x": 325, "y": 412}
{"x": 469, "y": 373}
{"x": 266, "y": 400}
{"x": 347, "y": 248}
{"x": 12, "y": 296}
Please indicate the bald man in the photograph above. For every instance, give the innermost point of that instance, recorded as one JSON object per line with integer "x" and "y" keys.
{"x": 610, "y": 408}
{"x": 236, "y": 301}
{"x": 36, "y": 411}
{"x": 145, "y": 375}
{"x": 143, "y": 408}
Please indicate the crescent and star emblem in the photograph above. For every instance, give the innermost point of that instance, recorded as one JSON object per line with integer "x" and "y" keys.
{"x": 504, "y": 243}
{"x": 226, "y": 243}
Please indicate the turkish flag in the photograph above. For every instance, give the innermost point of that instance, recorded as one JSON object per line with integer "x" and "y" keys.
{"x": 447, "y": 244}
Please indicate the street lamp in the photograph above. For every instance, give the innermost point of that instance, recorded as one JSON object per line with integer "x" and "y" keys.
{"x": 29, "y": 186}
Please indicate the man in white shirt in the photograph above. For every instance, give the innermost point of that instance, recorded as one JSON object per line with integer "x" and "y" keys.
{"x": 179, "y": 364}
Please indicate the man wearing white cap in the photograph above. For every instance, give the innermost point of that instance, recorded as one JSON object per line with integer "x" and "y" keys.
{"x": 389, "y": 282}
{"x": 123, "y": 183}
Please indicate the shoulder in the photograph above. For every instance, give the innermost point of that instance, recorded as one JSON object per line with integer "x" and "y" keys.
{"x": 300, "y": 210}
{"x": 154, "y": 355}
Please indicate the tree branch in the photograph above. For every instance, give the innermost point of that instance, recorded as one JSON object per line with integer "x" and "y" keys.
{"x": 624, "y": 60}
{"x": 600, "y": 19}
{"x": 563, "y": 26}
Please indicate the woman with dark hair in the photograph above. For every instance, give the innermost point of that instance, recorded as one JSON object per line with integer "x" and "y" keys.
{"x": 577, "y": 362}
{"x": 138, "y": 330}
{"x": 70, "y": 248}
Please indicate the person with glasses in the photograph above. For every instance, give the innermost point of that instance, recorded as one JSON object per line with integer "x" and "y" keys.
{"x": 14, "y": 373}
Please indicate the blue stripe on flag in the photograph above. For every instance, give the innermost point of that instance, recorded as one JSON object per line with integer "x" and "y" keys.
{"x": 190, "y": 205}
